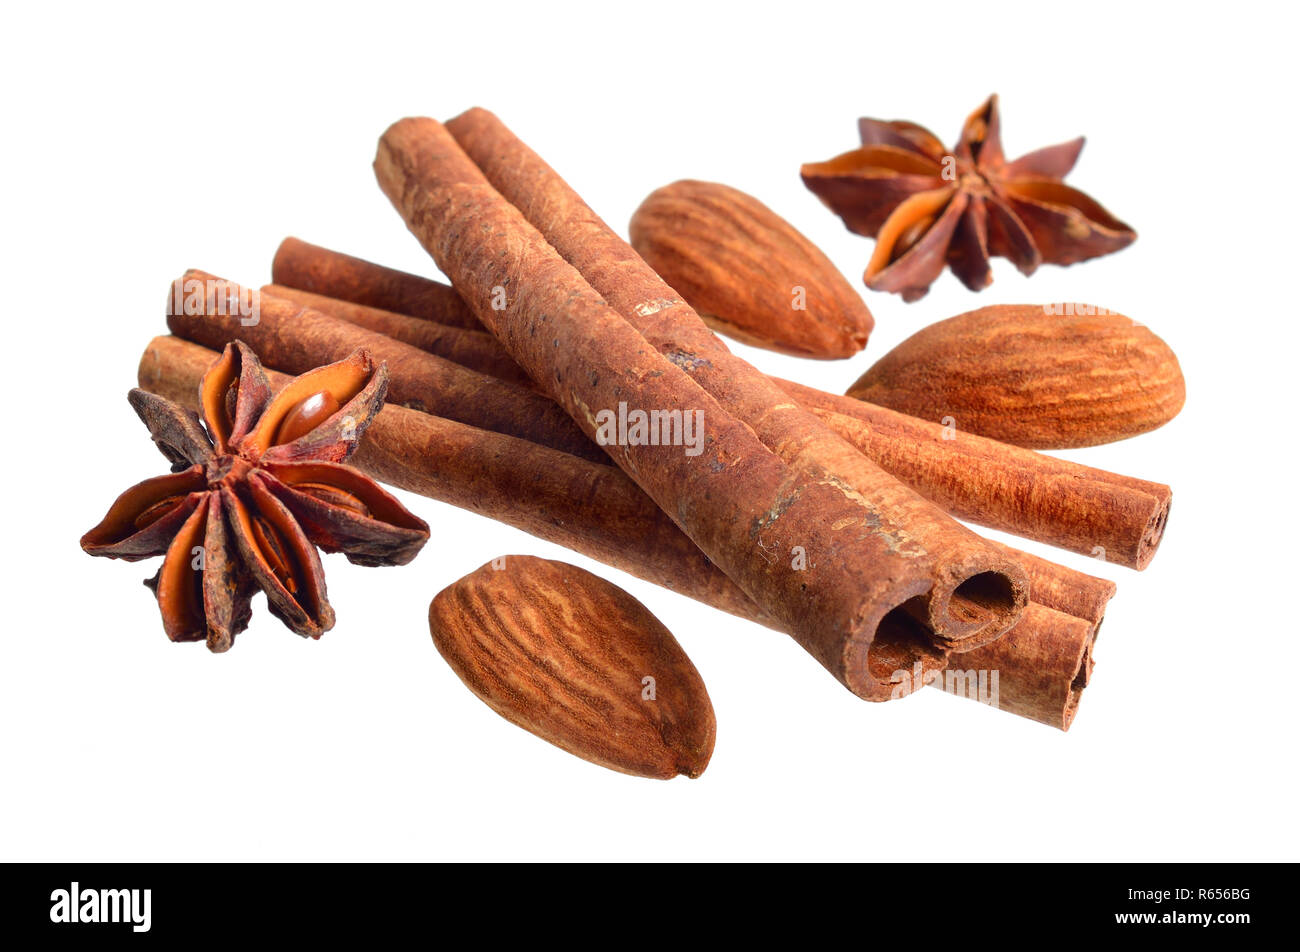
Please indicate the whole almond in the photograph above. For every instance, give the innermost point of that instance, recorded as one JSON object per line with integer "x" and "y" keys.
{"x": 748, "y": 272}
{"x": 1038, "y": 376}
{"x": 579, "y": 662}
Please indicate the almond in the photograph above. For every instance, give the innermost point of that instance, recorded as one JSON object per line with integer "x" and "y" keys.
{"x": 1039, "y": 376}
{"x": 577, "y": 661}
{"x": 748, "y": 272}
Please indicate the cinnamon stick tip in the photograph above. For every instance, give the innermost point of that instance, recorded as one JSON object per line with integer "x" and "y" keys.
{"x": 1153, "y": 533}
{"x": 981, "y": 598}
{"x": 884, "y": 649}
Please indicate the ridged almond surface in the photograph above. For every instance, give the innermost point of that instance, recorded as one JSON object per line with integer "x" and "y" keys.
{"x": 748, "y": 272}
{"x": 566, "y": 655}
{"x": 1042, "y": 377}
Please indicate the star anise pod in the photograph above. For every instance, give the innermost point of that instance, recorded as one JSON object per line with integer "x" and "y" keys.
{"x": 256, "y": 485}
{"x": 927, "y": 207}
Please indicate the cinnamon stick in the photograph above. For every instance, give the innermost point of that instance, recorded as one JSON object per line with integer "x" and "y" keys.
{"x": 296, "y": 339}
{"x": 1118, "y": 519}
{"x": 1043, "y": 665}
{"x": 301, "y": 265}
{"x": 596, "y": 510}
{"x": 1080, "y": 508}
{"x": 742, "y": 505}
{"x": 477, "y": 350}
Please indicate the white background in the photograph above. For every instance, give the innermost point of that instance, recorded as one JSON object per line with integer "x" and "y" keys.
{"x": 141, "y": 141}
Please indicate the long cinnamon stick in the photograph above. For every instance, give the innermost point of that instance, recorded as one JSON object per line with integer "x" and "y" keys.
{"x": 1079, "y": 508}
{"x": 596, "y": 510}
{"x": 623, "y": 278}
{"x": 737, "y": 500}
{"x": 1115, "y": 518}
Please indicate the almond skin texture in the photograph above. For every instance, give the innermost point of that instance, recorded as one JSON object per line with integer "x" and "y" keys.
{"x": 740, "y": 265}
{"x": 1042, "y": 377}
{"x": 566, "y": 655}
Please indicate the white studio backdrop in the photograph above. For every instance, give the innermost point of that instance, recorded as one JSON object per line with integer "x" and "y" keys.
{"x": 143, "y": 140}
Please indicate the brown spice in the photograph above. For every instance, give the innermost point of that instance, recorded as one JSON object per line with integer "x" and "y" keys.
{"x": 737, "y": 500}
{"x": 299, "y": 264}
{"x": 295, "y": 339}
{"x": 475, "y": 349}
{"x": 1108, "y": 516}
{"x": 976, "y": 592}
{"x": 928, "y": 207}
{"x": 255, "y": 492}
{"x": 596, "y": 510}
{"x": 1079, "y": 508}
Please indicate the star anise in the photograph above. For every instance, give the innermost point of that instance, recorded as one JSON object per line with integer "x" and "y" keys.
{"x": 926, "y": 206}
{"x": 256, "y": 485}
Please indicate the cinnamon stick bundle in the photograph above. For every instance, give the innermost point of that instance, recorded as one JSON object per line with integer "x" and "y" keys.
{"x": 1078, "y": 508}
{"x": 290, "y": 338}
{"x": 871, "y": 548}
{"x": 813, "y": 451}
{"x": 1067, "y": 605}
{"x": 853, "y": 610}
{"x": 595, "y": 509}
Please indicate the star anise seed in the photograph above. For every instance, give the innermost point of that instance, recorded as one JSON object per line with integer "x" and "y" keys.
{"x": 258, "y": 484}
{"x": 928, "y": 207}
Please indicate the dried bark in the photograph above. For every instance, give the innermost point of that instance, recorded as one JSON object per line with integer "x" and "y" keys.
{"x": 477, "y": 350}
{"x": 737, "y": 500}
{"x": 301, "y": 265}
{"x": 596, "y": 510}
{"x": 296, "y": 339}
{"x": 1078, "y": 508}
{"x": 1118, "y": 518}
{"x": 976, "y": 593}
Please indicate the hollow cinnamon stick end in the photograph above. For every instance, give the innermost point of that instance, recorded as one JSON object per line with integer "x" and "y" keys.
{"x": 981, "y": 598}
{"x": 1154, "y": 531}
{"x": 1038, "y": 670}
{"x": 1074, "y": 692}
{"x": 893, "y": 652}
